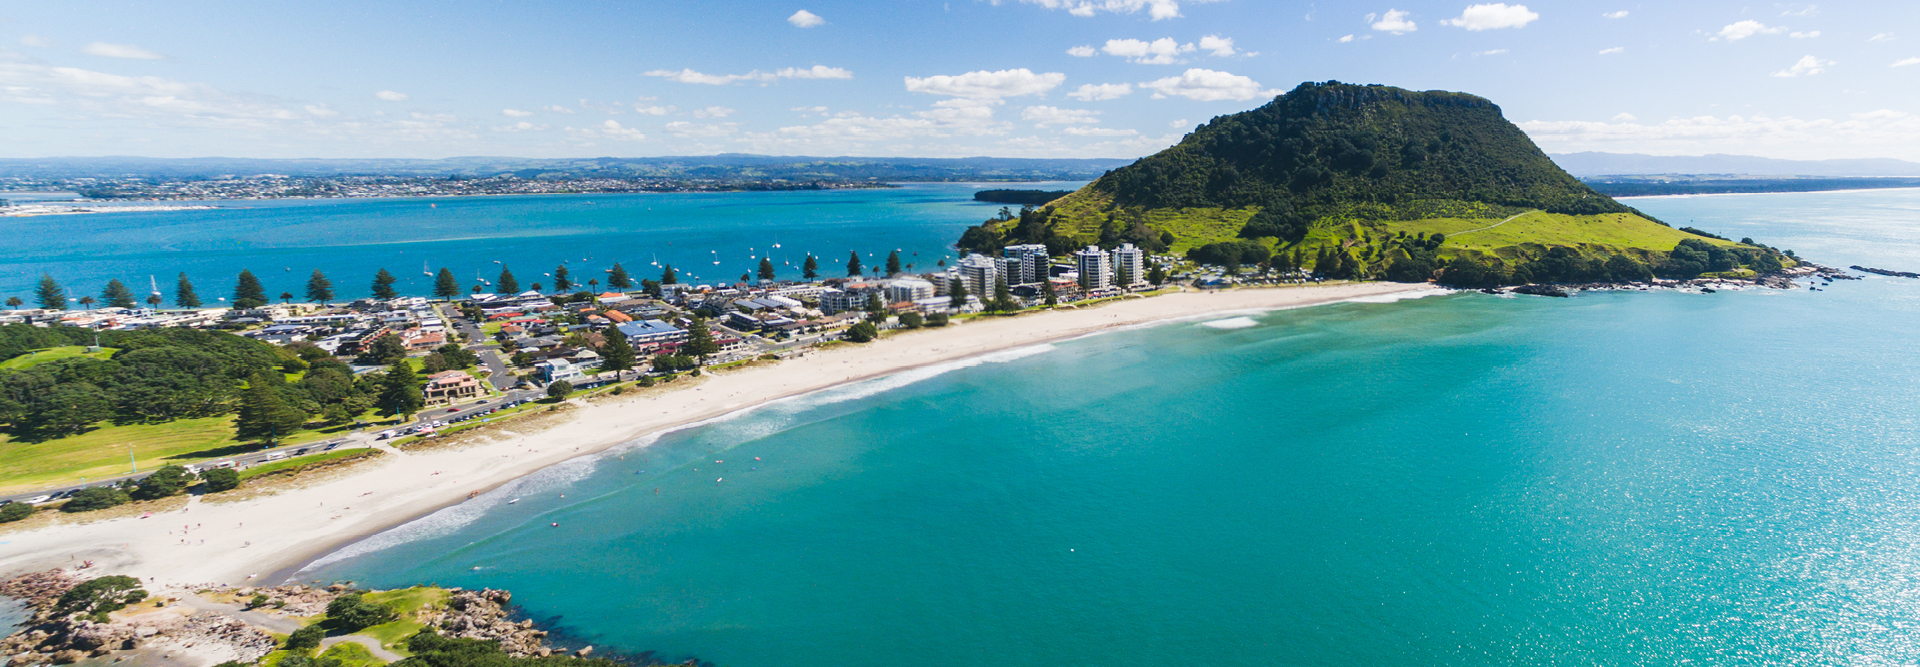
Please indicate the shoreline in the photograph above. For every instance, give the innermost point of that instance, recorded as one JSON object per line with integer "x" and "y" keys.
{"x": 298, "y": 526}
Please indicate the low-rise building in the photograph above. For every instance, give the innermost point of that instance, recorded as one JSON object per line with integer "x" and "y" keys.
{"x": 451, "y": 387}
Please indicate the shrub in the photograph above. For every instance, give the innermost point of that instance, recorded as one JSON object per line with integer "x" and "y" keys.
{"x": 12, "y": 512}
{"x": 221, "y": 479}
{"x": 646, "y": 382}
{"x": 937, "y": 320}
{"x": 259, "y": 600}
{"x": 305, "y": 639}
{"x": 912, "y": 320}
{"x": 351, "y": 613}
{"x": 863, "y": 332}
{"x": 95, "y": 598}
{"x": 167, "y": 481}
{"x": 559, "y": 389}
{"x": 96, "y": 498}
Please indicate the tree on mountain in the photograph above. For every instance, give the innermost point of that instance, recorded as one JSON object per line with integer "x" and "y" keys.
{"x": 854, "y": 268}
{"x": 247, "y": 291}
{"x": 893, "y": 263}
{"x": 50, "y": 294}
{"x": 445, "y": 285}
{"x": 668, "y": 277}
{"x": 319, "y": 289}
{"x": 561, "y": 280}
{"x": 265, "y": 414}
{"x": 957, "y": 293}
{"x": 383, "y": 286}
{"x": 810, "y": 269}
{"x": 766, "y": 268}
{"x": 183, "y": 295}
{"x": 506, "y": 283}
{"x": 117, "y": 295}
{"x": 617, "y": 278}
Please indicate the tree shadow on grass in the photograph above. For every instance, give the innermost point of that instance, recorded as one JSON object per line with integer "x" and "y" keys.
{"x": 218, "y": 452}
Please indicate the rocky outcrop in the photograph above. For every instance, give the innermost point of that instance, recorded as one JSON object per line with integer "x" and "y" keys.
{"x": 482, "y": 614}
{"x": 1885, "y": 272}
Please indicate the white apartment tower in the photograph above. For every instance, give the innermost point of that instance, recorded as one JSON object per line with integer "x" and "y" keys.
{"x": 1129, "y": 266}
{"x": 979, "y": 273}
{"x": 1026, "y": 264}
{"x": 1096, "y": 268}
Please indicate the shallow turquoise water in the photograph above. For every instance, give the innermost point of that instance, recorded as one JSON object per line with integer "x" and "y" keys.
{"x": 283, "y": 242}
{"x": 1615, "y": 479}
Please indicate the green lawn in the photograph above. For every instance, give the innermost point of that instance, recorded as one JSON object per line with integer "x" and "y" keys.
{"x": 303, "y": 461}
{"x": 37, "y": 357}
{"x": 490, "y": 328}
{"x": 102, "y": 452}
{"x": 351, "y": 654}
{"x": 405, "y": 602}
{"x": 1534, "y": 232}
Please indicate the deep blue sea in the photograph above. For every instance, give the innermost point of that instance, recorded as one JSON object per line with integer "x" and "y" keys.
{"x": 1614, "y": 479}
{"x": 706, "y": 237}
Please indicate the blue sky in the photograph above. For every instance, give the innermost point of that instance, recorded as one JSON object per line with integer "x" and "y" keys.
{"x": 1027, "y": 78}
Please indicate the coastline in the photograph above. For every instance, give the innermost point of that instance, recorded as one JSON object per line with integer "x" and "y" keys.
{"x": 1744, "y": 194}
{"x": 239, "y": 542}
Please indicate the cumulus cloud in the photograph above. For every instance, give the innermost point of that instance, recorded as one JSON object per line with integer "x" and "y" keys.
{"x": 1615, "y": 49}
{"x": 805, "y": 19}
{"x": 1345, "y": 39}
{"x": 1095, "y": 92}
{"x": 391, "y": 96}
{"x": 35, "y": 41}
{"x": 610, "y": 129}
{"x": 1082, "y": 51}
{"x": 1615, "y": 15}
{"x": 127, "y": 51}
{"x": 1807, "y": 66}
{"x": 1876, "y": 132}
{"x": 522, "y": 126}
{"x": 652, "y": 109}
{"x": 1737, "y": 31}
{"x": 1493, "y": 17}
{"x": 321, "y": 110}
{"x": 986, "y": 85}
{"x": 1217, "y": 45}
{"x": 755, "y": 76}
{"x": 555, "y": 108}
{"x": 1804, "y": 35}
{"x": 1908, "y": 62}
{"x": 1158, "y": 9}
{"x": 1042, "y": 116}
{"x": 1157, "y": 52}
{"x": 681, "y": 128}
{"x": 1177, "y": 123}
{"x": 515, "y": 113}
{"x": 1394, "y": 21}
{"x": 713, "y": 112}
{"x": 1207, "y": 86}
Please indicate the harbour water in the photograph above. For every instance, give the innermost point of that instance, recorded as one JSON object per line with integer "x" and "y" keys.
{"x": 1614, "y": 479}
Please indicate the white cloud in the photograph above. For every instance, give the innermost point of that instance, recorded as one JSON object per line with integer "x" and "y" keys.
{"x": 522, "y": 126}
{"x": 681, "y": 128}
{"x": 1095, "y": 92}
{"x": 1346, "y": 39}
{"x": 555, "y": 108}
{"x": 987, "y": 85}
{"x": 1882, "y": 37}
{"x": 1098, "y": 132}
{"x": 321, "y": 110}
{"x": 1804, "y": 35}
{"x": 1906, "y": 62}
{"x": 35, "y": 41}
{"x": 652, "y": 109}
{"x": 1157, "y": 52}
{"x": 1207, "y": 86}
{"x": 713, "y": 112}
{"x": 1808, "y": 66}
{"x": 1158, "y": 9}
{"x": 1395, "y": 21}
{"x": 1872, "y": 133}
{"x": 1082, "y": 51}
{"x": 1615, "y": 49}
{"x": 763, "y": 78}
{"x": 1216, "y": 45}
{"x": 1735, "y": 32}
{"x": 1615, "y": 15}
{"x": 1809, "y": 10}
{"x": 611, "y": 129}
{"x": 515, "y": 113}
{"x": 1493, "y": 17}
{"x": 391, "y": 96}
{"x": 1493, "y": 52}
{"x": 1178, "y": 123}
{"x": 805, "y": 19}
{"x": 127, "y": 51}
{"x": 1042, "y": 116}
{"x": 1625, "y": 118}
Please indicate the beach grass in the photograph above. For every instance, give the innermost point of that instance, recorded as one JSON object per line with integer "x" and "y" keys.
{"x": 351, "y": 654}
{"x": 103, "y": 452}
{"x": 37, "y": 357}
{"x": 299, "y": 463}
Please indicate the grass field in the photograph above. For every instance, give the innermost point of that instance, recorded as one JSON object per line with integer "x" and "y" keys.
{"x": 102, "y": 452}
{"x": 1531, "y": 233}
{"x": 304, "y": 461}
{"x": 37, "y": 357}
{"x": 406, "y": 602}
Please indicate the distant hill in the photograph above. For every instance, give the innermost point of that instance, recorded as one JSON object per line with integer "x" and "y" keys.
{"x": 1621, "y": 164}
{"x": 1364, "y": 181}
{"x": 725, "y": 166}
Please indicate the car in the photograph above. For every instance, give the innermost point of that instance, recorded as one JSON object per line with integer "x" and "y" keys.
{"x": 453, "y": 410}
{"x": 330, "y": 447}
{"x": 39, "y": 499}
{"x": 299, "y": 451}
{"x": 275, "y": 456}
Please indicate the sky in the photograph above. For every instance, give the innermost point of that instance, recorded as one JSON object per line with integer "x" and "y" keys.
{"x": 932, "y": 78}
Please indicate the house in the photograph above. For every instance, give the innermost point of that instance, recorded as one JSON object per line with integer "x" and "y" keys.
{"x": 451, "y": 387}
{"x": 650, "y": 334}
{"x": 426, "y": 341}
{"x": 555, "y": 370}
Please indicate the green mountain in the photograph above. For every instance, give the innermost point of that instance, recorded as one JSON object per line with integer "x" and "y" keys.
{"x": 1370, "y": 181}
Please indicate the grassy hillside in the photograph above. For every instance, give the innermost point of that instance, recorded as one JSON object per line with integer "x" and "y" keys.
{"x": 37, "y": 357}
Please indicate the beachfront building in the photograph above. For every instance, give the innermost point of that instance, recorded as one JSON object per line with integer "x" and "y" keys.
{"x": 651, "y": 334}
{"x": 909, "y": 289}
{"x": 979, "y": 273}
{"x": 1095, "y": 267}
{"x": 1025, "y": 264}
{"x": 1129, "y": 267}
{"x": 451, "y": 387}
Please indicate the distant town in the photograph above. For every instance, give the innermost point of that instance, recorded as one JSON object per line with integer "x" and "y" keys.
{"x": 276, "y": 186}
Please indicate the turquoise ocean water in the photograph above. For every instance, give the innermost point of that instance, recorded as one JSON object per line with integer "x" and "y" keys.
{"x": 284, "y": 241}
{"x": 1614, "y": 479}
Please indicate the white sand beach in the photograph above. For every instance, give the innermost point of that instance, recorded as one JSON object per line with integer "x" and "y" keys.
{"x": 244, "y": 542}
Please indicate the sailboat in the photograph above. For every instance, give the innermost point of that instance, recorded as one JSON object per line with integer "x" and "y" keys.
{"x": 424, "y": 270}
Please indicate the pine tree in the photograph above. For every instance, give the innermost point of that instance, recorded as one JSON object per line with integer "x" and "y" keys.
{"x": 810, "y": 268}
{"x": 561, "y": 280}
{"x": 117, "y": 295}
{"x": 50, "y": 294}
{"x": 400, "y": 391}
{"x": 247, "y": 292}
{"x": 445, "y": 285}
{"x": 957, "y": 293}
{"x": 667, "y": 276}
{"x": 506, "y": 284}
{"x": 183, "y": 295}
{"x": 319, "y": 289}
{"x": 618, "y": 279}
{"x": 766, "y": 268}
{"x": 1046, "y": 286}
{"x": 617, "y": 354}
{"x": 700, "y": 341}
{"x": 893, "y": 263}
{"x": 265, "y": 414}
{"x": 874, "y": 304}
{"x": 1002, "y": 298}
{"x": 383, "y": 286}
{"x": 154, "y": 300}
{"x": 854, "y": 269}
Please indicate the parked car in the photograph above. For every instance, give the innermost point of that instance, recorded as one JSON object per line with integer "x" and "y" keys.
{"x": 39, "y": 499}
